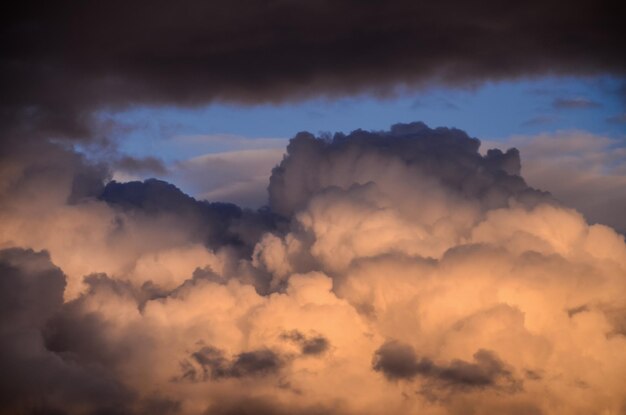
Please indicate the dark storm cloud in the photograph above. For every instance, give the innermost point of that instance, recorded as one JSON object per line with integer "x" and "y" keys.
{"x": 398, "y": 361}
{"x": 64, "y": 59}
{"x": 575, "y": 103}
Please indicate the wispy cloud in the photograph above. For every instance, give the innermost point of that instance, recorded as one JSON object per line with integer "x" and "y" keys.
{"x": 617, "y": 119}
{"x": 575, "y": 103}
{"x": 540, "y": 120}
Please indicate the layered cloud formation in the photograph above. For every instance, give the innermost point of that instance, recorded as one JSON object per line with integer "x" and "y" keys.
{"x": 393, "y": 272}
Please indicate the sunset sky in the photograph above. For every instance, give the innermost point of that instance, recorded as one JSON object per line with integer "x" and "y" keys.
{"x": 304, "y": 207}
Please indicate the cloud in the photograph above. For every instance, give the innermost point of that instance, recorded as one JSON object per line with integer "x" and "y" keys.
{"x": 583, "y": 170}
{"x": 362, "y": 157}
{"x": 617, "y": 119}
{"x": 540, "y": 120}
{"x": 225, "y": 143}
{"x": 309, "y": 345}
{"x": 236, "y": 176}
{"x": 64, "y": 62}
{"x": 574, "y": 103}
{"x": 398, "y": 361}
{"x": 32, "y": 290}
{"x": 397, "y": 271}
{"x": 216, "y": 366}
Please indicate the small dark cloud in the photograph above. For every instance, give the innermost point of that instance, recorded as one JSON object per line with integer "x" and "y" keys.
{"x": 313, "y": 345}
{"x": 533, "y": 374}
{"x": 574, "y": 103}
{"x": 617, "y": 119}
{"x": 576, "y": 310}
{"x": 398, "y": 361}
{"x": 255, "y": 363}
{"x": 215, "y": 365}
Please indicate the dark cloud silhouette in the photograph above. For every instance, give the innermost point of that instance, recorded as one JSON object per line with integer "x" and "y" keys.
{"x": 210, "y": 221}
{"x": 575, "y": 103}
{"x": 448, "y": 155}
{"x": 398, "y": 361}
{"x": 313, "y": 345}
{"x": 64, "y": 60}
{"x": 215, "y": 365}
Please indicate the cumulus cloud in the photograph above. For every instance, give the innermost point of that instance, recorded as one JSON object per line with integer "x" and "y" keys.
{"x": 396, "y": 271}
{"x": 583, "y": 170}
{"x": 35, "y": 379}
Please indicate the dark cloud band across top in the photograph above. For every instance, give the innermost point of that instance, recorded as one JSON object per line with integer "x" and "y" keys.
{"x": 62, "y": 60}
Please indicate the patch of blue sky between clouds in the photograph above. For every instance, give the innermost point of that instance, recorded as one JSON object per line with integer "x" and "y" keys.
{"x": 492, "y": 111}
{"x": 226, "y": 152}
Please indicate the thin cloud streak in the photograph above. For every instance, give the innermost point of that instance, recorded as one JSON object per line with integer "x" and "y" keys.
{"x": 575, "y": 103}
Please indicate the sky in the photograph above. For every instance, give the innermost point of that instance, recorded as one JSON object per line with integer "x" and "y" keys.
{"x": 312, "y": 207}
{"x": 492, "y": 111}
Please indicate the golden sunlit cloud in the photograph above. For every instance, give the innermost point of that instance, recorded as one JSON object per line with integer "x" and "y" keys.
{"x": 396, "y": 272}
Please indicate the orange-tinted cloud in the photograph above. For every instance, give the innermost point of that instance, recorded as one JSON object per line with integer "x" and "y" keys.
{"x": 395, "y": 272}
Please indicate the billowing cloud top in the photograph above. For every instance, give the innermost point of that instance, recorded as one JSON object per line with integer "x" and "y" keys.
{"x": 395, "y": 272}
{"x": 64, "y": 59}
